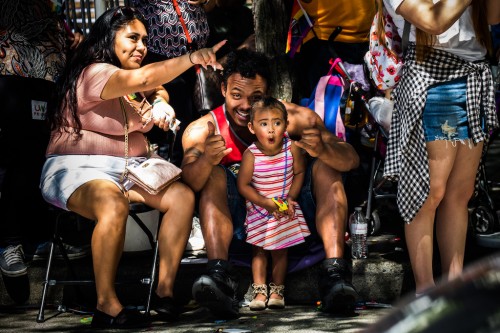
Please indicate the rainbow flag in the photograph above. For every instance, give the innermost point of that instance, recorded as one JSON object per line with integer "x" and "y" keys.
{"x": 300, "y": 25}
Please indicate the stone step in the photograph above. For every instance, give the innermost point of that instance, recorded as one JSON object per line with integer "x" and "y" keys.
{"x": 383, "y": 277}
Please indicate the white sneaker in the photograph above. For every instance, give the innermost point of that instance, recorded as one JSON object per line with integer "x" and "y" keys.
{"x": 195, "y": 241}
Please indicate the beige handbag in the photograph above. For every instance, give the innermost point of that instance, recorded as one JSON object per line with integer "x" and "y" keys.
{"x": 154, "y": 174}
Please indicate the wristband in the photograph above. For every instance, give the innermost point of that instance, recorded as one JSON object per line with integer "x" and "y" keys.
{"x": 156, "y": 101}
{"x": 189, "y": 55}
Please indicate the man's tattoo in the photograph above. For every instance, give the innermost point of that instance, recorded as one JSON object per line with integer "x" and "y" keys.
{"x": 193, "y": 151}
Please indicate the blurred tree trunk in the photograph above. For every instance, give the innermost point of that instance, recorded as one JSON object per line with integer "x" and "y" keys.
{"x": 272, "y": 18}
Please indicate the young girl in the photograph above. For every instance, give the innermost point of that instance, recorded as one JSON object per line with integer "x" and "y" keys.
{"x": 270, "y": 178}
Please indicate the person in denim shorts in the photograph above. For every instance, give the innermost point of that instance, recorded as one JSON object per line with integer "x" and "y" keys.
{"x": 213, "y": 146}
{"x": 444, "y": 109}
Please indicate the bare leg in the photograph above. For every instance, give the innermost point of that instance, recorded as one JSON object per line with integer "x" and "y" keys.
{"x": 420, "y": 232}
{"x": 174, "y": 233}
{"x": 331, "y": 208}
{"x": 215, "y": 218}
{"x": 259, "y": 269}
{"x": 103, "y": 202}
{"x": 280, "y": 263}
{"x": 217, "y": 289}
{"x": 452, "y": 216}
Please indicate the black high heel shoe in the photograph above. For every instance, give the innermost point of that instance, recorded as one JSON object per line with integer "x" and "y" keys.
{"x": 127, "y": 318}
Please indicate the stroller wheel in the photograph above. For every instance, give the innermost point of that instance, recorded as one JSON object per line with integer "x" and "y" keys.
{"x": 482, "y": 220}
{"x": 374, "y": 225}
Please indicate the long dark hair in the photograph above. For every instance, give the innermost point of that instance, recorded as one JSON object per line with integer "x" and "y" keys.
{"x": 97, "y": 47}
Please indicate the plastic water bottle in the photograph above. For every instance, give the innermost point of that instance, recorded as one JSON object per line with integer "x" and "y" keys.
{"x": 359, "y": 233}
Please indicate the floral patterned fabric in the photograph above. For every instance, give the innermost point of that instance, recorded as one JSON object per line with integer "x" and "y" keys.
{"x": 385, "y": 67}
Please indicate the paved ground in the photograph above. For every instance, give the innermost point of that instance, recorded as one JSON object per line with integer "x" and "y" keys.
{"x": 297, "y": 319}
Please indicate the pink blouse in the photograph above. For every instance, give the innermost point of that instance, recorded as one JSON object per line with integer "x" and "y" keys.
{"x": 102, "y": 121}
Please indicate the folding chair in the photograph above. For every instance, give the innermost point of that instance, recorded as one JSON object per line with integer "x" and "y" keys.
{"x": 134, "y": 210}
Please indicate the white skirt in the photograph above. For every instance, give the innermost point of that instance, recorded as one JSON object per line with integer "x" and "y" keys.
{"x": 63, "y": 174}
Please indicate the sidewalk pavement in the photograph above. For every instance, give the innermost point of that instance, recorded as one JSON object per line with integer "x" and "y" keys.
{"x": 294, "y": 318}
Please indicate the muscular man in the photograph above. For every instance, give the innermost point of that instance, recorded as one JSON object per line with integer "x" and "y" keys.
{"x": 213, "y": 146}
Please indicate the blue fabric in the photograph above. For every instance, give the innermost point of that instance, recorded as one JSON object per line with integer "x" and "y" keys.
{"x": 332, "y": 96}
{"x": 445, "y": 105}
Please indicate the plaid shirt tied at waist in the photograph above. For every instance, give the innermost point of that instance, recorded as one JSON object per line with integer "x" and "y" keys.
{"x": 407, "y": 159}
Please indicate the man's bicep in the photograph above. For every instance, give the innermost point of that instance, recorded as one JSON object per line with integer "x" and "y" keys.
{"x": 191, "y": 154}
{"x": 194, "y": 136}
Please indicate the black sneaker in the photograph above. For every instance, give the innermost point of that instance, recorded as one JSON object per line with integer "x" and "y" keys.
{"x": 337, "y": 294}
{"x": 217, "y": 290}
{"x": 12, "y": 261}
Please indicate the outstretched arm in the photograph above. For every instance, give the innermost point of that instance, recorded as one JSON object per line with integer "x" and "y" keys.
{"x": 317, "y": 140}
{"x": 433, "y": 18}
{"x": 127, "y": 81}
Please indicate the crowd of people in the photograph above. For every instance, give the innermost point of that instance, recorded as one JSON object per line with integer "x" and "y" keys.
{"x": 258, "y": 171}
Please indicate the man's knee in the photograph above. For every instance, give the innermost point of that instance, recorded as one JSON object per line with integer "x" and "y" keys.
{"x": 328, "y": 186}
{"x": 215, "y": 187}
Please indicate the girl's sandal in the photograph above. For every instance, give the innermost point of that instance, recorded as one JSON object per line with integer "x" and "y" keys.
{"x": 257, "y": 305}
{"x": 276, "y": 303}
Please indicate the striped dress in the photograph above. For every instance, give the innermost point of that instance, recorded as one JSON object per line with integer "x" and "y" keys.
{"x": 273, "y": 177}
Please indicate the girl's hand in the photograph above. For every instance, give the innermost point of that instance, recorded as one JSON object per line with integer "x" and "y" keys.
{"x": 272, "y": 209}
{"x": 291, "y": 207}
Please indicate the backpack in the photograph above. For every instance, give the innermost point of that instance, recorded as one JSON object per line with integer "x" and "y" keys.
{"x": 385, "y": 62}
{"x": 325, "y": 101}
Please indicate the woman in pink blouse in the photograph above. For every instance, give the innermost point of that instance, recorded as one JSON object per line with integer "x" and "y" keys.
{"x": 102, "y": 88}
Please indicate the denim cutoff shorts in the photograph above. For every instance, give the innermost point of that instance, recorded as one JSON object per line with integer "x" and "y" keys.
{"x": 445, "y": 113}
{"x": 237, "y": 207}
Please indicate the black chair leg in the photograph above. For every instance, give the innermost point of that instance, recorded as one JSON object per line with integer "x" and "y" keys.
{"x": 41, "y": 312}
{"x": 57, "y": 241}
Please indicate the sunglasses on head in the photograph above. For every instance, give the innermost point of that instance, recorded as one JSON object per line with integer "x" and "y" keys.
{"x": 124, "y": 11}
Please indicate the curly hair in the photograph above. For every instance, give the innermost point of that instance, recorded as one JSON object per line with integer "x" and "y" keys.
{"x": 248, "y": 64}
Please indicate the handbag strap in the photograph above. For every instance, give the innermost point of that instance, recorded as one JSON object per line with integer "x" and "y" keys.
{"x": 405, "y": 37}
{"x": 125, "y": 128}
{"x": 183, "y": 24}
{"x": 190, "y": 45}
